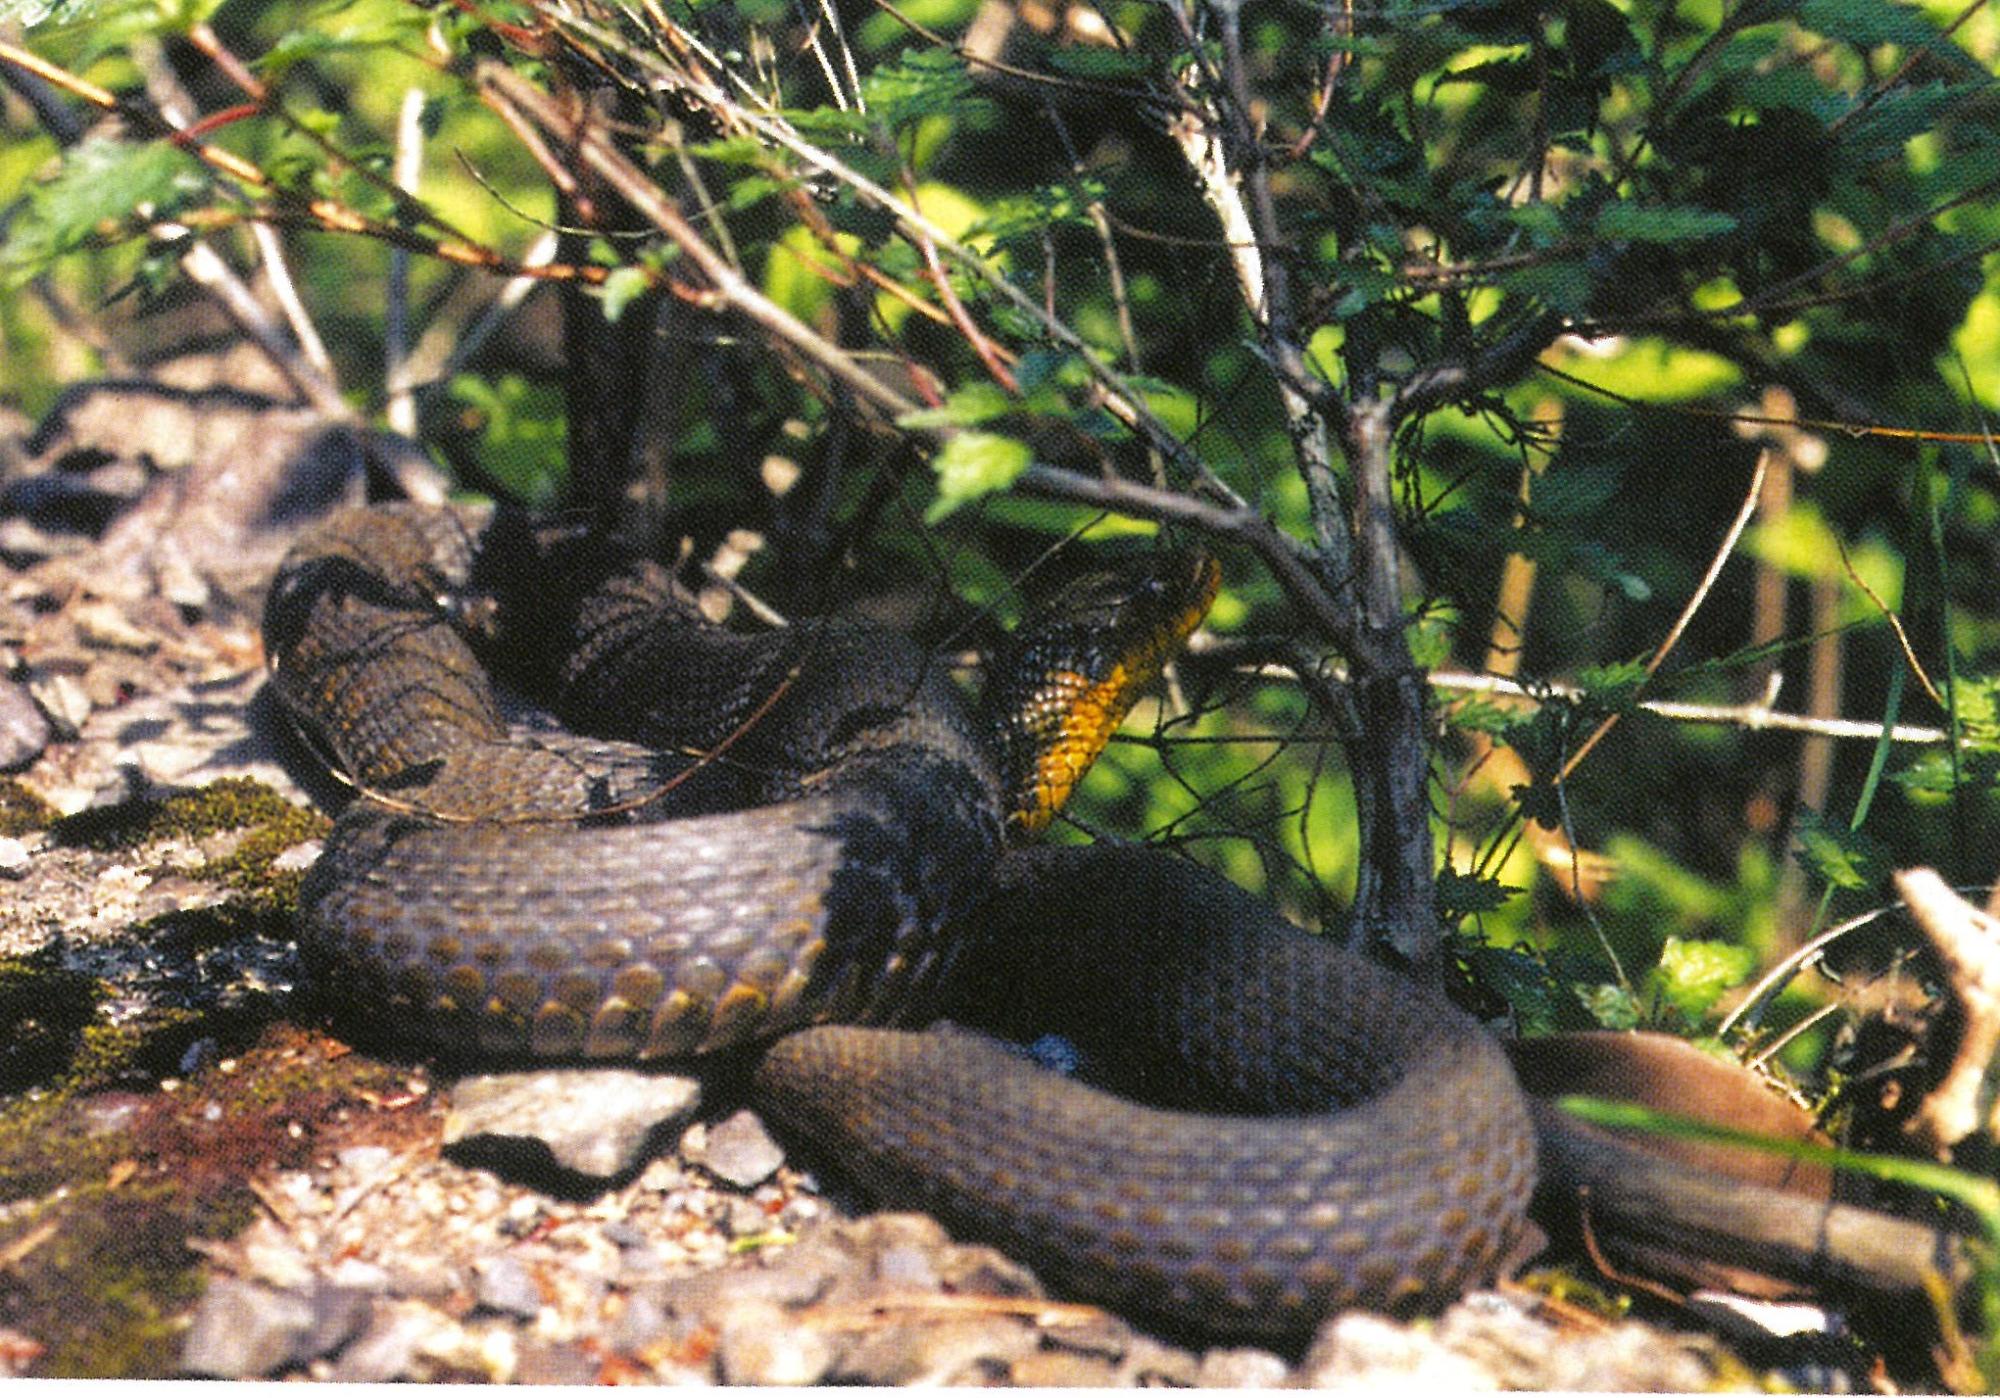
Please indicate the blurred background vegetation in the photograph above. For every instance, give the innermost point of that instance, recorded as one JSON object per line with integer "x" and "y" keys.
{"x": 1727, "y": 232}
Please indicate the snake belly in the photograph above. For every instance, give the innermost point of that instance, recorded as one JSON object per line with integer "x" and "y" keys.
{"x": 1273, "y": 1128}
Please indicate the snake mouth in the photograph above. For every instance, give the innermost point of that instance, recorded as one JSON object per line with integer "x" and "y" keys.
{"x": 1074, "y": 668}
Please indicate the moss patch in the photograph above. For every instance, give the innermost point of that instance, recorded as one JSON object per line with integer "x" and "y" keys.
{"x": 271, "y": 824}
{"x": 114, "y": 1184}
{"x": 21, "y": 810}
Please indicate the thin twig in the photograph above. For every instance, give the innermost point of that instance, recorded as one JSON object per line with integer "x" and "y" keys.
{"x": 1694, "y": 603}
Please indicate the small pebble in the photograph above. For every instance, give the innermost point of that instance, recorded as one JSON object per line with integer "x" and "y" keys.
{"x": 740, "y": 1151}
{"x": 503, "y": 1284}
{"x": 13, "y": 858}
{"x": 1241, "y": 1368}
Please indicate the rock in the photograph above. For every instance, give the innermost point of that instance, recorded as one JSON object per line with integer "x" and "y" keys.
{"x": 1357, "y": 1349}
{"x": 24, "y": 729}
{"x": 62, "y": 698}
{"x": 388, "y": 1348}
{"x": 243, "y": 1330}
{"x": 758, "y": 1342}
{"x": 502, "y": 1284}
{"x": 1055, "y": 1368}
{"x": 593, "y": 1125}
{"x": 13, "y": 858}
{"x": 558, "y": 1364}
{"x": 927, "y": 1352}
{"x": 1241, "y": 1368}
{"x": 639, "y": 1324}
{"x": 740, "y": 1151}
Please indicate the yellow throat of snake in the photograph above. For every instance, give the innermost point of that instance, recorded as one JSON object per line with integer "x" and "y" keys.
{"x": 1075, "y": 668}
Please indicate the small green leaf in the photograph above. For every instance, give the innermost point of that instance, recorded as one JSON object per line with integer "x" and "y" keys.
{"x": 1661, "y": 223}
{"x": 1463, "y": 894}
{"x": 620, "y": 288}
{"x": 973, "y": 464}
{"x": 1694, "y": 973}
{"x": 977, "y": 402}
{"x": 1844, "y": 858}
{"x": 1612, "y": 1006}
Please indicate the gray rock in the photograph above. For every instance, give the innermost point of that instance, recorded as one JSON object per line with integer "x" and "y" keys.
{"x": 639, "y": 1324}
{"x": 740, "y": 1151}
{"x": 597, "y": 1123}
{"x": 243, "y": 1330}
{"x": 758, "y": 1342}
{"x": 386, "y": 1350}
{"x": 1241, "y": 1368}
{"x": 502, "y": 1284}
{"x": 24, "y": 729}
{"x": 338, "y": 1314}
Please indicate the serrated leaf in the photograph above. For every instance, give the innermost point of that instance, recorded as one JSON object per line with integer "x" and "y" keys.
{"x": 102, "y": 185}
{"x": 1660, "y": 223}
{"x": 1611, "y": 1005}
{"x": 1695, "y": 972}
{"x": 1844, "y": 858}
{"x": 973, "y": 464}
{"x": 1463, "y": 894}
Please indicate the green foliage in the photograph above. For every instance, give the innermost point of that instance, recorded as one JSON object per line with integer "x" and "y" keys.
{"x": 972, "y": 464}
{"x": 104, "y": 189}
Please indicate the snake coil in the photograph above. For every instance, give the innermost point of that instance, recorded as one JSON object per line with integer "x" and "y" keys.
{"x": 1274, "y": 1128}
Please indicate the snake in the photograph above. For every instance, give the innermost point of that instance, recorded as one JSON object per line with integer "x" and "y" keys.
{"x": 805, "y": 846}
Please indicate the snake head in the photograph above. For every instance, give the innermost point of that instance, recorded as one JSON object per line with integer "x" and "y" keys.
{"x": 1072, "y": 670}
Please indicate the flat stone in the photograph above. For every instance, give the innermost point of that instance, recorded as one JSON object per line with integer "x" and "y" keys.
{"x": 502, "y": 1284}
{"x": 24, "y": 729}
{"x": 593, "y": 1125}
{"x": 242, "y": 1330}
{"x": 740, "y": 1151}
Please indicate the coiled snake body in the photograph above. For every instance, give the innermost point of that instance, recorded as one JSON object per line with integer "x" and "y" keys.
{"x": 1274, "y": 1129}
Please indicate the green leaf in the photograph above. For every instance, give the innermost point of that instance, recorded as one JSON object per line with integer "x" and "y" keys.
{"x": 977, "y": 402}
{"x": 1694, "y": 973}
{"x": 102, "y": 185}
{"x": 624, "y": 284}
{"x": 1612, "y": 1006}
{"x": 973, "y": 464}
{"x": 1866, "y": 23}
{"x": 1660, "y": 223}
{"x": 1844, "y": 858}
{"x": 1462, "y": 894}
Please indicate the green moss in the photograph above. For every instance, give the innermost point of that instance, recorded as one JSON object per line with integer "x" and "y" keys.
{"x": 230, "y": 803}
{"x": 124, "y": 1180}
{"x": 44, "y": 1010}
{"x": 272, "y": 825}
{"x": 21, "y": 810}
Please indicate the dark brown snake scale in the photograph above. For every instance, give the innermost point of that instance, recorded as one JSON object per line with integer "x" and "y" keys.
{"x": 1274, "y": 1129}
